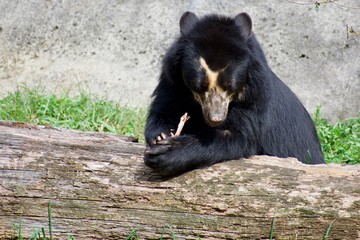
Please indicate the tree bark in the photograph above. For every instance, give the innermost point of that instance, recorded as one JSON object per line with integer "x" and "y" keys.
{"x": 99, "y": 188}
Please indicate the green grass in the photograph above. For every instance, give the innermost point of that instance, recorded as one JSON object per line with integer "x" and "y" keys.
{"x": 272, "y": 226}
{"x": 38, "y": 234}
{"x": 133, "y": 235}
{"x": 328, "y": 230}
{"x": 340, "y": 141}
{"x": 82, "y": 112}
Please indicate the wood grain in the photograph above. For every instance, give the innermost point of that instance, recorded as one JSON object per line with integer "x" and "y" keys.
{"x": 99, "y": 188}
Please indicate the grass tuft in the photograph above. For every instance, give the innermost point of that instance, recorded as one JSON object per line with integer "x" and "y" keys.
{"x": 340, "y": 141}
{"x": 50, "y": 221}
{"x": 167, "y": 226}
{"x": 36, "y": 233}
{"x": 272, "y": 226}
{"x": 82, "y": 112}
{"x": 133, "y": 235}
{"x": 328, "y": 229}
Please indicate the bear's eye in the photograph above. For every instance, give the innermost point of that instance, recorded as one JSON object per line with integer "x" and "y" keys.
{"x": 201, "y": 82}
{"x": 225, "y": 81}
{"x": 195, "y": 80}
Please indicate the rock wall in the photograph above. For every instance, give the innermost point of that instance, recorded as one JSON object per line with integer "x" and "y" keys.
{"x": 113, "y": 48}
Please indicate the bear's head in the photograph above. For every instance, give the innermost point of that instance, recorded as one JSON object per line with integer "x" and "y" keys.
{"x": 215, "y": 58}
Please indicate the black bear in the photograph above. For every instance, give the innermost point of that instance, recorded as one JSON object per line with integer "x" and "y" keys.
{"x": 216, "y": 72}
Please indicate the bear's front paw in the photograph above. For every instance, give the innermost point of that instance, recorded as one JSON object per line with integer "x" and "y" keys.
{"x": 155, "y": 161}
{"x": 157, "y": 149}
{"x": 164, "y": 145}
{"x": 161, "y": 137}
{"x": 166, "y": 156}
{"x": 167, "y": 164}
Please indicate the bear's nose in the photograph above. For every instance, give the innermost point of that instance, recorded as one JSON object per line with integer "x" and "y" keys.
{"x": 216, "y": 118}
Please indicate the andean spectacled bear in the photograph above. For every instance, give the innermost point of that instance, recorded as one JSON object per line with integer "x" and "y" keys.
{"x": 216, "y": 72}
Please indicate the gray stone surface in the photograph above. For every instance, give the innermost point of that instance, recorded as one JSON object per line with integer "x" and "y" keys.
{"x": 113, "y": 48}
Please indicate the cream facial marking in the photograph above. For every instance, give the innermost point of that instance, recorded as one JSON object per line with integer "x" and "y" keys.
{"x": 211, "y": 75}
{"x": 215, "y": 100}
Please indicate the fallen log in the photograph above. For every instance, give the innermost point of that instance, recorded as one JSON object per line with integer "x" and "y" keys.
{"x": 99, "y": 188}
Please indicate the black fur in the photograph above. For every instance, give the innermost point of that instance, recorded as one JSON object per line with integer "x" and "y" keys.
{"x": 264, "y": 116}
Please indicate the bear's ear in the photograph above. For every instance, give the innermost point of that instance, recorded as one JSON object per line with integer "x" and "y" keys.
{"x": 187, "y": 21}
{"x": 243, "y": 21}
